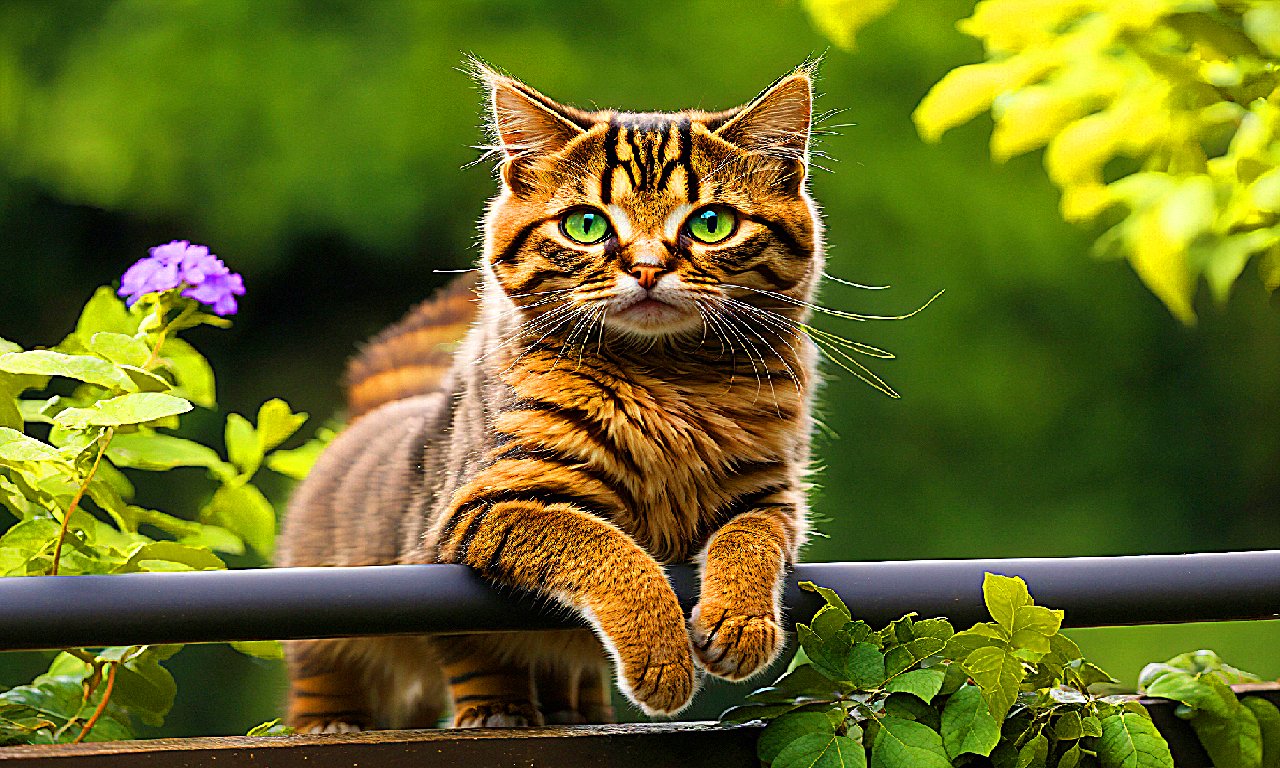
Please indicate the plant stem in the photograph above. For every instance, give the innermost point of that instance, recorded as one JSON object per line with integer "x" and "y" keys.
{"x": 103, "y": 442}
{"x": 102, "y": 705}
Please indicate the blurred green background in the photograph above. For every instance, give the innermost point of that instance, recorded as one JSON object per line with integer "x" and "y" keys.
{"x": 1051, "y": 406}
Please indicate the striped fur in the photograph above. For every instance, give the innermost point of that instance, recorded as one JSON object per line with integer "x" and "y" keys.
{"x": 613, "y": 407}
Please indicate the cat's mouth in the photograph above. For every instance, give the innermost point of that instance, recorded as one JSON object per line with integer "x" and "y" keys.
{"x": 653, "y": 316}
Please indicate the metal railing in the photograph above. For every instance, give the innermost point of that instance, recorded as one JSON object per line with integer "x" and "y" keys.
{"x": 296, "y": 603}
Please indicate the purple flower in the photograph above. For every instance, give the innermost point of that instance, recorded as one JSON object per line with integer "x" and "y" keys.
{"x": 179, "y": 263}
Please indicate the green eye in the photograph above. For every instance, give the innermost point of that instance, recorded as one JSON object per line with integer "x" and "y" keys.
{"x": 585, "y": 226}
{"x": 712, "y": 224}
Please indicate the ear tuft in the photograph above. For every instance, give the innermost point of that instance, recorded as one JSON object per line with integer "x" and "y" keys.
{"x": 524, "y": 122}
{"x": 777, "y": 121}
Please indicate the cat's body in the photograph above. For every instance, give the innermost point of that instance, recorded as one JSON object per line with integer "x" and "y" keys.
{"x": 637, "y": 399}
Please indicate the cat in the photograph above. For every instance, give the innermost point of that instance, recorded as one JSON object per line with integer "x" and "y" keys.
{"x": 624, "y": 384}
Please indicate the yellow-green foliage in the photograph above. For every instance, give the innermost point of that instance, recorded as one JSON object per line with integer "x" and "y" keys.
{"x": 1163, "y": 111}
{"x": 840, "y": 20}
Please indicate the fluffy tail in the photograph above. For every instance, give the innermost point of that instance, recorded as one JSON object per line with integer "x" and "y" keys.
{"x": 413, "y": 356}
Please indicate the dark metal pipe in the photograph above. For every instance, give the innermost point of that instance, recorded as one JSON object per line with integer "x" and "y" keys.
{"x": 295, "y": 603}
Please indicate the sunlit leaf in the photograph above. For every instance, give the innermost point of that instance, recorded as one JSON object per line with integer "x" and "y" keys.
{"x": 136, "y": 408}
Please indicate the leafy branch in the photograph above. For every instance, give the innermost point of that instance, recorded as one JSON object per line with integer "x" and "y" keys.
{"x": 107, "y": 402}
{"x": 1013, "y": 691}
{"x": 1159, "y": 119}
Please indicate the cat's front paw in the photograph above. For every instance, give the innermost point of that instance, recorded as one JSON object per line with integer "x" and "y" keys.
{"x": 661, "y": 687}
{"x": 732, "y": 644}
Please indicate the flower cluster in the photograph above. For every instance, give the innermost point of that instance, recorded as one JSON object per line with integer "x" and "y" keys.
{"x": 201, "y": 275}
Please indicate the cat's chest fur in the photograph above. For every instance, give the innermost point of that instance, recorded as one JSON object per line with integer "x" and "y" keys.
{"x": 682, "y": 444}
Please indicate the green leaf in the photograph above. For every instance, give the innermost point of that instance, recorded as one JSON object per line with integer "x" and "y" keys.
{"x": 1033, "y": 626}
{"x": 146, "y": 688}
{"x": 955, "y": 678}
{"x": 903, "y": 656}
{"x": 748, "y": 712}
{"x": 865, "y": 666}
{"x": 271, "y": 728}
{"x": 91, "y": 370}
{"x": 243, "y": 510}
{"x": 1034, "y": 754}
{"x": 828, "y": 621}
{"x": 1069, "y": 726}
{"x": 1131, "y": 741}
{"x": 193, "y": 374}
{"x": 830, "y": 656}
{"x": 967, "y": 724}
{"x": 1091, "y": 726}
{"x": 1205, "y": 692}
{"x": 789, "y": 727}
{"x": 1231, "y": 742}
{"x": 1268, "y": 717}
{"x": 1208, "y": 661}
{"x": 961, "y": 644}
{"x": 1071, "y": 758}
{"x": 277, "y": 423}
{"x": 296, "y": 462}
{"x": 907, "y": 744}
{"x": 105, "y": 312}
{"x": 120, "y": 348}
{"x": 922, "y": 683}
{"x": 899, "y": 630}
{"x": 804, "y": 680}
{"x": 939, "y": 629}
{"x": 137, "y": 408}
{"x": 998, "y": 674}
{"x": 820, "y": 750}
{"x": 26, "y": 541}
{"x": 1004, "y": 595}
{"x": 1088, "y": 673}
{"x": 159, "y": 452}
{"x": 146, "y": 381}
{"x": 11, "y": 386}
{"x": 829, "y": 595}
{"x": 243, "y": 446}
{"x": 271, "y": 650}
{"x": 15, "y": 446}
{"x": 155, "y": 556}
{"x": 59, "y": 697}
{"x": 908, "y": 707}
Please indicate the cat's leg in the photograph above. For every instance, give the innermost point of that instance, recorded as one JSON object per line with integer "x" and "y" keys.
{"x": 487, "y": 691}
{"x": 555, "y": 549}
{"x": 326, "y": 693}
{"x": 595, "y": 702}
{"x": 558, "y": 694}
{"x": 736, "y": 625}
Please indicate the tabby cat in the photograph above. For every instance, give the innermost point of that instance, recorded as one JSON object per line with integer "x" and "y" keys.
{"x": 632, "y": 388}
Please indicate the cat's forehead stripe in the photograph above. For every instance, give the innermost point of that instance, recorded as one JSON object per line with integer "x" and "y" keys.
{"x": 640, "y": 146}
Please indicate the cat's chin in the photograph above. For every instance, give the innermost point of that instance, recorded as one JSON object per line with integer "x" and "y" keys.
{"x": 650, "y": 317}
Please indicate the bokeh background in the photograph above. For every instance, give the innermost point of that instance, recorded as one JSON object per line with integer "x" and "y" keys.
{"x": 1051, "y": 406}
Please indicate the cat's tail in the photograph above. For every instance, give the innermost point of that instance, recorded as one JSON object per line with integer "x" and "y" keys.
{"x": 413, "y": 356}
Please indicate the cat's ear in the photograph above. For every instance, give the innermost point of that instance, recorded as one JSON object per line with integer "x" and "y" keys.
{"x": 525, "y": 123}
{"x": 777, "y": 121}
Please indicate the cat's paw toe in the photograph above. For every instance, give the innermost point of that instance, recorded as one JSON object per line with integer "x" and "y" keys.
{"x": 732, "y": 645}
{"x": 500, "y": 714}
{"x": 664, "y": 689}
{"x": 330, "y": 726}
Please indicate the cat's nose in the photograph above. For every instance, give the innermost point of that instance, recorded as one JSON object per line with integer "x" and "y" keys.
{"x": 647, "y": 274}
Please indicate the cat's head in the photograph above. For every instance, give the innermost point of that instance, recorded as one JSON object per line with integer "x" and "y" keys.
{"x": 648, "y": 222}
